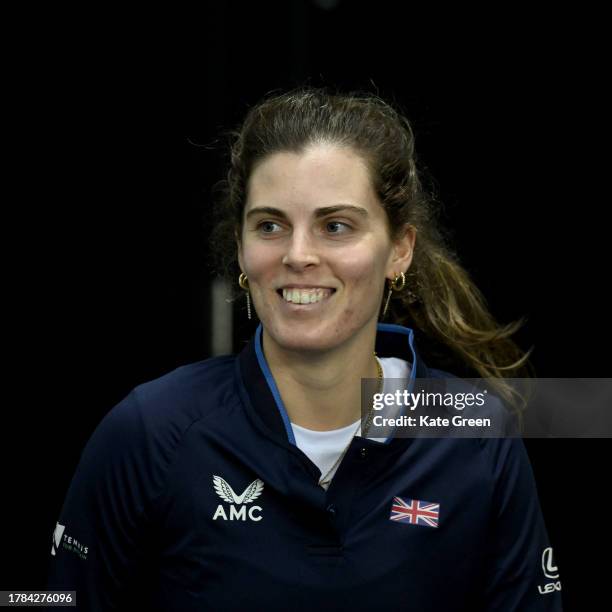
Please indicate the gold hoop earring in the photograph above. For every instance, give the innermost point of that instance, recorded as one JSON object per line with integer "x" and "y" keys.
{"x": 393, "y": 286}
{"x": 394, "y": 282}
{"x": 243, "y": 281}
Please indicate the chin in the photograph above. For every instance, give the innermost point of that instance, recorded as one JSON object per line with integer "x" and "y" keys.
{"x": 296, "y": 339}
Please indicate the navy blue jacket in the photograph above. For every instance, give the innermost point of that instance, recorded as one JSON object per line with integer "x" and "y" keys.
{"x": 192, "y": 495}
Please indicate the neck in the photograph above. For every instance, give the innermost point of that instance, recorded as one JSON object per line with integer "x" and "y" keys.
{"x": 322, "y": 390}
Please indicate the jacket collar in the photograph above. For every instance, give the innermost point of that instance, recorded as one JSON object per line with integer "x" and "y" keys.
{"x": 260, "y": 394}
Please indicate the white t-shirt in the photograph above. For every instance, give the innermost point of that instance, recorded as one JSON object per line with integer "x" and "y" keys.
{"x": 324, "y": 447}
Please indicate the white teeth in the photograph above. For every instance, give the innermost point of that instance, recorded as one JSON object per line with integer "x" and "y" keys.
{"x": 305, "y": 296}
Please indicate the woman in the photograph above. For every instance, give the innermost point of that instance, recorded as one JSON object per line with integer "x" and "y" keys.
{"x": 248, "y": 481}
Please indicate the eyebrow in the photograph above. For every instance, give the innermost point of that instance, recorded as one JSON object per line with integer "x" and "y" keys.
{"x": 319, "y": 212}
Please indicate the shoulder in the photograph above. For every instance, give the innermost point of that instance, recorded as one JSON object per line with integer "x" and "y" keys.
{"x": 500, "y": 447}
{"x": 188, "y": 392}
{"x": 156, "y": 414}
{"x": 137, "y": 440}
{"x": 475, "y": 398}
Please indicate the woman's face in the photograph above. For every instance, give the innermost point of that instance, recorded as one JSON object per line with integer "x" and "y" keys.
{"x": 313, "y": 220}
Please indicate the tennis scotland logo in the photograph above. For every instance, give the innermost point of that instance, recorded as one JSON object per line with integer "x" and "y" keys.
{"x": 238, "y": 509}
{"x": 61, "y": 540}
{"x": 56, "y": 540}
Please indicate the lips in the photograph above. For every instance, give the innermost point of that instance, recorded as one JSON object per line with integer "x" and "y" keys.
{"x": 303, "y": 287}
{"x": 291, "y": 288}
{"x": 305, "y": 297}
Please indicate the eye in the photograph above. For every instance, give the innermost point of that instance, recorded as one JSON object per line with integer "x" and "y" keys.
{"x": 332, "y": 223}
{"x": 267, "y": 227}
{"x": 265, "y": 223}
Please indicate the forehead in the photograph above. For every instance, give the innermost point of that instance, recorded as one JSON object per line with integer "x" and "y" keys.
{"x": 322, "y": 175}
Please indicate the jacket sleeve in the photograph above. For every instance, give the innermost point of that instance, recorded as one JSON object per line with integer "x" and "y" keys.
{"x": 520, "y": 573}
{"x": 101, "y": 542}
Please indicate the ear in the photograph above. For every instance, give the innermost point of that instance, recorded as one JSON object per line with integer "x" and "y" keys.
{"x": 402, "y": 252}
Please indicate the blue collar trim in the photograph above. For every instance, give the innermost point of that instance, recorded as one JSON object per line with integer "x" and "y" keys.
{"x": 387, "y": 334}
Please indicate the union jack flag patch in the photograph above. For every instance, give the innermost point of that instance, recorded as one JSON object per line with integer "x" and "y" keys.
{"x": 415, "y": 512}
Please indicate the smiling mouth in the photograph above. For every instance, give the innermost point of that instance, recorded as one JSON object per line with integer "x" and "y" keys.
{"x": 305, "y": 298}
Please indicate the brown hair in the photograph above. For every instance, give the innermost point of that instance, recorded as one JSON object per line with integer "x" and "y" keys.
{"x": 454, "y": 329}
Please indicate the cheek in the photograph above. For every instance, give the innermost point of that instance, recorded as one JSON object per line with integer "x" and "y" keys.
{"x": 258, "y": 260}
{"x": 363, "y": 268}
{"x": 363, "y": 277}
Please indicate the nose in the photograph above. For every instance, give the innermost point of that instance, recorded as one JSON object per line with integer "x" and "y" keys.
{"x": 301, "y": 251}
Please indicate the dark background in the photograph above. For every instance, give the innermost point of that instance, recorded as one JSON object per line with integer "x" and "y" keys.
{"x": 116, "y": 143}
